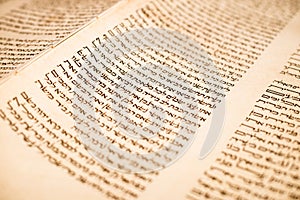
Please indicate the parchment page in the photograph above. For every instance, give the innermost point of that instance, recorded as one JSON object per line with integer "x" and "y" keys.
{"x": 222, "y": 60}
